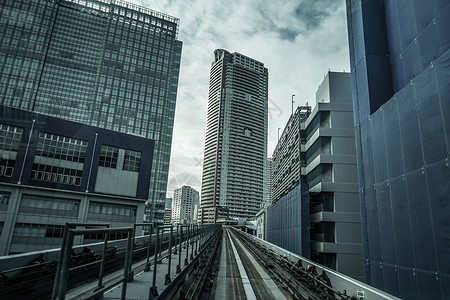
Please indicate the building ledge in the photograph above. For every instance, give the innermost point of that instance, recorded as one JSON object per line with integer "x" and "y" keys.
{"x": 328, "y": 106}
{"x": 334, "y": 187}
{"x": 333, "y": 132}
{"x": 331, "y": 159}
{"x": 347, "y": 248}
{"x": 329, "y": 216}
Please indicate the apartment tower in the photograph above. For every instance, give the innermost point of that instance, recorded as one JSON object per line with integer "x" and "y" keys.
{"x": 183, "y": 205}
{"x": 236, "y": 138}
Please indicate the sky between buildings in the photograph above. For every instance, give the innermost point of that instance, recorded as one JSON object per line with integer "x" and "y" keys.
{"x": 298, "y": 41}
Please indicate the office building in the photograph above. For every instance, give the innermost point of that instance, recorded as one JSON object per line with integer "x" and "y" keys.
{"x": 55, "y": 171}
{"x": 236, "y": 138}
{"x": 317, "y": 148}
{"x": 183, "y": 205}
{"x": 399, "y": 57}
{"x": 104, "y": 63}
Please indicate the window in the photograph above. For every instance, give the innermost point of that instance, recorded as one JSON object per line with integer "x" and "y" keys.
{"x": 61, "y": 147}
{"x": 29, "y": 230}
{"x": 108, "y": 156}
{"x": 54, "y": 206}
{"x": 54, "y": 231}
{"x": 132, "y": 160}
{"x": 109, "y": 211}
{"x": 118, "y": 158}
{"x": 56, "y": 174}
{"x": 38, "y": 230}
{"x": 10, "y": 138}
{"x": 4, "y": 200}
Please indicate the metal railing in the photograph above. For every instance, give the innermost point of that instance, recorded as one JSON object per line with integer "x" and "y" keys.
{"x": 67, "y": 227}
{"x": 147, "y": 265}
{"x": 92, "y": 262}
{"x": 197, "y": 244}
{"x": 62, "y": 276}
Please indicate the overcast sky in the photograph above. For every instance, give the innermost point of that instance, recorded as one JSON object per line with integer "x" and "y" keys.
{"x": 297, "y": 40}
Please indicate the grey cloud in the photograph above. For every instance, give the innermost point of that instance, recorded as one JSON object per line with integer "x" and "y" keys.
{"x": 268, "y": 25}
{"x": 288, "y": 34}
{"x": 312, "y": 13}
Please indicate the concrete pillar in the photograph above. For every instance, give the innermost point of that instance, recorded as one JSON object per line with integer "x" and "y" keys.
{"x": 10, "y": 220}
{"x": 82, "y": 217}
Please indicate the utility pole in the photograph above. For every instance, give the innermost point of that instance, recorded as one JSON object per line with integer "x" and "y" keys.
{"x": 293, "y": 104}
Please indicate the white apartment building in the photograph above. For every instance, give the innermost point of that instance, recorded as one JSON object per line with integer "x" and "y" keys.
{"x": 183, "y": 205}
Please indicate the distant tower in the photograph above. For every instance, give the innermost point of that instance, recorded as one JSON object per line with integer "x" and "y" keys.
{"x": 236, "y": 138}
{"x": 183, "y": 204}
{"x": 168, "y": 211}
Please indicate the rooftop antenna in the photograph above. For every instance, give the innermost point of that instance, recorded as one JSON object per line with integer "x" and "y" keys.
{"x": 293, "y": 104}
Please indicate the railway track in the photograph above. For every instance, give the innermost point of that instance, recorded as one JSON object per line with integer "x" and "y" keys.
{"x": 242, "y": 271}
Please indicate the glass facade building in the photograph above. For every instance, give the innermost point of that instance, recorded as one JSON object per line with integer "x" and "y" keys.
{"x": 105, "y": 63}
{"x": 400, "y": 61}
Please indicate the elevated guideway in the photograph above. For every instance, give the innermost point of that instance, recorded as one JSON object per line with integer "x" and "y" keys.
{"x": 177, "y": 262}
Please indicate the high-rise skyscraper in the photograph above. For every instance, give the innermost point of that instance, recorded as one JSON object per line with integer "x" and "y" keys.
{"x": 236, "y": 137}
{"x": 400, "y": 61}
{"x": 105, "y": 63}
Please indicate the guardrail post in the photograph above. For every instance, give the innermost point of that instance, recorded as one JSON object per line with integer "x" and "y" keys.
{"x": 61, "y": 258}
{"x": 161, "y": 241}
{"x": 127, "y": 265}
{"x": 168, "y": 279}
{"x": 131, "y": 272}
{"x": 65, "y": 266}
{"x": 153, "y": 290}
{"x": 192, "y": 241}
{"x": 202, "y": 236}
{"x": 196, "y": 239}
{"x": 102, "y": 265}
{"x": 176, "y": 241}
{"x": 186, "y": 260}
{"x": 147, "y": 265}
{"x": 179, "y": 249}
